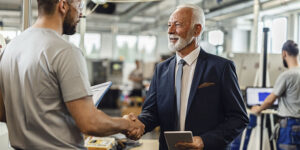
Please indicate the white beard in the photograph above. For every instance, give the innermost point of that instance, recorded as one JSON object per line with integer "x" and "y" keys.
{"x": 180, "y": 43}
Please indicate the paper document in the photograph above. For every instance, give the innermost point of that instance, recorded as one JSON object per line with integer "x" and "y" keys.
{"x": 99, "y": 91}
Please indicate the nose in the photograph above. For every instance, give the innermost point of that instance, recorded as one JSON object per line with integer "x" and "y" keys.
{"x": 171, "y": 29}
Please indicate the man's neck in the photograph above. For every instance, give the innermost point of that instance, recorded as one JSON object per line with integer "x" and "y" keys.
{"x": 50, "y": 22}
{"x": 293, "y": 63}
{"x": 188, "y": 49}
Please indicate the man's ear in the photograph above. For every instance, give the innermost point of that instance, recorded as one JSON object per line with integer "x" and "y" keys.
{"x": 63, "y": 7}
{"x": 197, "y": 29}
{"x": 284, "y": 54}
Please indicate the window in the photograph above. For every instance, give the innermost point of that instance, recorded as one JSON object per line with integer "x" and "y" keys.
{"x": 8, "y": 34}
{"x": 126, "y": 47}
{"x": 146, "y": 48}
{"x": 278, "y": 34}
{"x": 131, "y": 47}
{"x": 92, "y": 43}
{"x": 216, "y": 37}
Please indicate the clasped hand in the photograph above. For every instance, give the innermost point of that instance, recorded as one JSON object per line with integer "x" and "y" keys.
{"x": 196, "y": 145}
{"x": 136, "y": 127}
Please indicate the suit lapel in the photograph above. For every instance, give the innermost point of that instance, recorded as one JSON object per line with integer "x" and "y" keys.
{"x": 199, "y": 69}
{"x": 171, "y": 76}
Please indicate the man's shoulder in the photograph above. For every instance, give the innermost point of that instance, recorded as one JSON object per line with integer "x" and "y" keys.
{"x": 57, "y": 44}
{"x": 295, "y": 72}
{"x": 165, "y": 63}
{"x": 50, "y": 38}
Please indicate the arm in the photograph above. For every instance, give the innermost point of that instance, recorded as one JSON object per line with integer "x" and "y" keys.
{"x": 70, "y": 69}
{"x": 269, "y": 101}
{"x": 92, "y": 121}
{"x": 279, "y": 88}
{"x": 236, "y": 118}
{"x": 135, "y": 78}
{"x": 149, "y": 115}
{"x": 2, "y": 109}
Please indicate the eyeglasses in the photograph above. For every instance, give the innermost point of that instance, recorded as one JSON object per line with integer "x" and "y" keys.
{"x": 78, "y": 5}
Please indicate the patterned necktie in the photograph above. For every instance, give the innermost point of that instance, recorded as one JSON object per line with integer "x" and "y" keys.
{"x": 178, "y": 88}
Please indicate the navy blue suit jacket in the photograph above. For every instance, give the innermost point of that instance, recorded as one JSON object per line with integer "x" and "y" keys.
{"x": 215, "y": 112}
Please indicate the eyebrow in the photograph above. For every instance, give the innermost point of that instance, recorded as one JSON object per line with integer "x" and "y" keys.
{"x": 174, "y": 22}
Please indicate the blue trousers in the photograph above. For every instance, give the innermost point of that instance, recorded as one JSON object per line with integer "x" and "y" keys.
{"x": 289, "y": 134}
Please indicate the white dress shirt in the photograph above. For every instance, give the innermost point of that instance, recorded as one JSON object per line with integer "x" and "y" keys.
{"x": 186, "y": 81}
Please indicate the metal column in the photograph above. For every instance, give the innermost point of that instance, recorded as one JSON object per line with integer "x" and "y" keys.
{"x": 265, "y": 60}
{"x": 83, "y": 29}
{"x": 254, "y": 34}
{"x": 26, "y": 14}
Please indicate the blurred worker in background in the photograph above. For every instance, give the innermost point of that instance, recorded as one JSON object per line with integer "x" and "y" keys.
{"x": 136, "y": 76}
{"x": 287, "y": 91}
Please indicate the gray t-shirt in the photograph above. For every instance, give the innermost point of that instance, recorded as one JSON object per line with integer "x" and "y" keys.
{"x": 39, "y": 73}
{"x": 287, "y": 87}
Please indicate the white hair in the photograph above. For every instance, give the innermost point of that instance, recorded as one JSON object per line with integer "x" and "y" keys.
{"x": 198, "y": 15}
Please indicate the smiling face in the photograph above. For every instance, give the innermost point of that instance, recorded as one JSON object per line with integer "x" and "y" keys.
{"x": 180, "y": 29}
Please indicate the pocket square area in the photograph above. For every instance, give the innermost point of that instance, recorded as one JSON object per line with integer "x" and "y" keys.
{"x": 206, "y": 84}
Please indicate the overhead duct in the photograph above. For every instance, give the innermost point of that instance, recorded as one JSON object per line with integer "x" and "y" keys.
{"x": 217, "y": 5}
{"x": 246, "y": 8}
{"x": 230, "y": 9}
{"x": 140, "y": 7}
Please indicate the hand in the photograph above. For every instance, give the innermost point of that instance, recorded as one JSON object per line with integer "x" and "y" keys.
{"x": 136, "y": 127}
{"x": 196, "y": 145}
{"x": 256, "y": 109}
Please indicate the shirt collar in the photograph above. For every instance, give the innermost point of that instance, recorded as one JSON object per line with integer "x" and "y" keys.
{"x": 190, "y": 58}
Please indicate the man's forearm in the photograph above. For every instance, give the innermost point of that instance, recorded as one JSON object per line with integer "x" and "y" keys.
{"x": 265, "y": 105}
{"x": 268, "y": 102}
{"x": 104, "y": 125}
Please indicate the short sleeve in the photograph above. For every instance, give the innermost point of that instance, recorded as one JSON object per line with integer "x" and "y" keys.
{"x": 280, "y": 85}
{"x": 71, "y": 70}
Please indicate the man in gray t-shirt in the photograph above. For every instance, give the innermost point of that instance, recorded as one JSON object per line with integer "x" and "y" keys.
{"x": 287, "y": 90}
{"x": 287, "y": 87}
{"x": 46, "y": 98}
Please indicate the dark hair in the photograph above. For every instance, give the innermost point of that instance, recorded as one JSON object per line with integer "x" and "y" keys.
{"x": 46, "y": 7}
{"x": 291, "y": 48}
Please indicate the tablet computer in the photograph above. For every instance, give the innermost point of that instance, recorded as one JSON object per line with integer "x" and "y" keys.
{"x": 99, "y": 91}
{"x": 173, "y": 137}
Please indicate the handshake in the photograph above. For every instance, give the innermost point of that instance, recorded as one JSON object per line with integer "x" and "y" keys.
{"x": 136, "y": 128}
